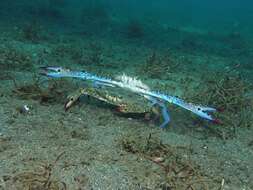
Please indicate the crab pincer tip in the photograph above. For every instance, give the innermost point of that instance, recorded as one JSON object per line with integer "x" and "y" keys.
{"x": 220, "y": 109}
{"x": 217, "y": 121}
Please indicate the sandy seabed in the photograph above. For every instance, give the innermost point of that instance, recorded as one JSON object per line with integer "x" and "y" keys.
{"x": 92, "y": 147}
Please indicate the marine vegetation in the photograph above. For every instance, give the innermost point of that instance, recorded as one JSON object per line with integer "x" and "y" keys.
{"x": 178, "y": 172}
{"x": 157, "y": 66}
{"x": 42, "y": 178}
{"x": 232, "y": 95}
{"x": 238, "y": 45}
{"x": 53, "y": 93}
{"x": 89, "y": 56}
{"x": 14, "y": 59}
{"x": 68, "y": 50}
{"x": 93, "y": 56}
{"x": 135, "y": 86}
{"x": 4, "y": 145}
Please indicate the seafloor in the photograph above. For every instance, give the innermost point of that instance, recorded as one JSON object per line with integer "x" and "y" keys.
{"x": 91, "y": 146}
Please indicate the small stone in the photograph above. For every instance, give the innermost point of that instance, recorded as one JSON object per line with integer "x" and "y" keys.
{"x": 25, "y": 109}
{"x": 158, "y": 159}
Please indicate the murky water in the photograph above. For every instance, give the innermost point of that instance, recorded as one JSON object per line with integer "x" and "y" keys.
{"x": 141, "y": 95}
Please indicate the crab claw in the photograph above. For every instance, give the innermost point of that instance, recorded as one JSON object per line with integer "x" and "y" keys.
{"x": 221, "y": 109}
{"x": 67, "y": 105}
{"x": 74, "y": 98}
{"x": 217, "y": 121}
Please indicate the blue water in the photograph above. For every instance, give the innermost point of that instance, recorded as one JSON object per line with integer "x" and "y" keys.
{"x": 202, "y": 13}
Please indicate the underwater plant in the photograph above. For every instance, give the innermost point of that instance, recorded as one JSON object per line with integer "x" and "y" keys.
{"x": 177, "y": 171}
{"x": 238, "y": 45}
{"x": 14, "y": 59}
{"x": 229, "y": 93}
{"x": 41, "y": 178}
{"x": 91, "y": 57}
{"x": 64, "y": 50}
{"x": 232, "y": 95}
{"x": 95, "y": 56}
{"x": 6, "y": 75}
{"x": 73, "y": 51}
{"x": 53, "y": 93}
{"x": 157, "y": 66}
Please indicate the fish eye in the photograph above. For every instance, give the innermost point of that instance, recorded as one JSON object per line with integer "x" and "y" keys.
{"x": 199, "y": 109}
{"x": 72, "y": 99}
{"x": 59, "y": 70}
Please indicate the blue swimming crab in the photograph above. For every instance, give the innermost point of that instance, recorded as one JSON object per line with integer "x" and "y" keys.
{"x": 123, "y": 104}
{"x": 132, "y": 84}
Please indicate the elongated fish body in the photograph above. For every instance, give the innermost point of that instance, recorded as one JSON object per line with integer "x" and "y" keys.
{"x": 135, "y": 86}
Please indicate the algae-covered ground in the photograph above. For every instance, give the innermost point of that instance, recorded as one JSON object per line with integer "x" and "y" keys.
{"x": 91, "y": 146}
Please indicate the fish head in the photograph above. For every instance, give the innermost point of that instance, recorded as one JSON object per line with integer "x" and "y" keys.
{"x": 206, "y": 113}
{"x": 55, "y": 72}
